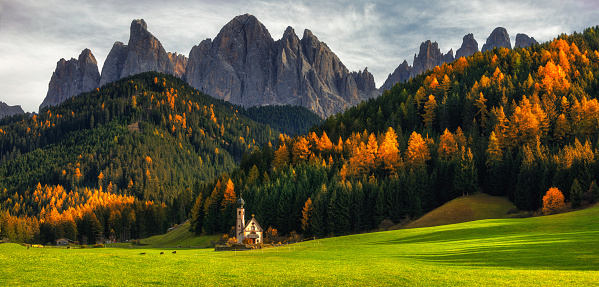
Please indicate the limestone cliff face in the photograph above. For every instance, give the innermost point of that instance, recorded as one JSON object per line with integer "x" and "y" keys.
{"x": 402, "y": 73}
{"x": 469, "y": 47}
{"x": 498, "y": 38}
{"x": 143, "y": 53}
{"x": 523, "y": 41}
{"x": 113, "y": 65}
{"x": 245, "y": 66}
{"x": 71, "y": 78}
{"x": 179, "y": 63}
{"x": 6, "y": 110}
{"x": 428, "y": 57}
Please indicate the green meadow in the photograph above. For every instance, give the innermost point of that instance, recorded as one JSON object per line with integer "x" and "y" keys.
{"x": 558, "y": 250}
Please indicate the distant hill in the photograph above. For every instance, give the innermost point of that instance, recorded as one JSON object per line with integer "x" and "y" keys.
{"x": 463, "y": 209}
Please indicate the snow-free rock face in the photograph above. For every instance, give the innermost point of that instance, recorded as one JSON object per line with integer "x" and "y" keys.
{"x": 113, "y": 65}
{"x": 469, "y": 47}
{"x": 179, "y": 64}
{"x": 143, "y": 53}
{"x": 6, "y": 110}
{"x": 523, "y": 41}
{"x": 402, "y": 73}
{"x": 498, "y": 38}
{"x": 427, "y": 58}
{"x": 71, "y": 78}
{"x": 245, "y": 66}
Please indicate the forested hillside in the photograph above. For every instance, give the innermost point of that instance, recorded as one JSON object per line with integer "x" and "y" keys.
{"x": 122, "y": 159}
{"x": 507, "y": 122}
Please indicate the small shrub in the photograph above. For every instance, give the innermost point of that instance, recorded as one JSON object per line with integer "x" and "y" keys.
{"x": 553, "y": 201}
{"x": 98, "y": 245}
{"x": 232, "y": 241}
{"x": 83, "y": 246}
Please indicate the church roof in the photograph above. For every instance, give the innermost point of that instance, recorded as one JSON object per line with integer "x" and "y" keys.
{"x": 249, "y": 224}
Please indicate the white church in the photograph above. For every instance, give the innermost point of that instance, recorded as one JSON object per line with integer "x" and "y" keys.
{"x": 250, "y": 231}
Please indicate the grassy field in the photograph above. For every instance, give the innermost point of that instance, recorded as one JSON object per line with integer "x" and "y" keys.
{"x": 558, "y": 250}
{"x": 466, "y": 208}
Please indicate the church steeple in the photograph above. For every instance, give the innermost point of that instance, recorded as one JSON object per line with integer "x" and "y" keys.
{"x": 240, "y": 224}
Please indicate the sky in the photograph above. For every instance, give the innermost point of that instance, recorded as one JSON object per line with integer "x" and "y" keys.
{"x": 35, "y": 34}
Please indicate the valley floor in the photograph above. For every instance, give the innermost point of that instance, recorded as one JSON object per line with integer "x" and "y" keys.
{"x": 558, "y": 250}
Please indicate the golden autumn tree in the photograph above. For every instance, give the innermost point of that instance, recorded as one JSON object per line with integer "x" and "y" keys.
{"x": 281, "y": 156}
{"x": 371, "y": 152}
{"x": 388, "y": 152}
{"x": 417, "y": 153}
{"x": 229, "y": 195}
{"x": 447, "y": 145}
{"x": 494, "y": 152}
{"x": 306, "y": 215}
{"x": 429, "y": 111}
{"x": 527, "y": 123}
{"x": 553, "y": 201}
{"x": 358, "y": 162}
{"x": 100, "y": 179}
{"x": 78, "y": 174}
{"x": 480, "y": 103}
{"x": 300, "y": 150}
{"x": 325, "y": 143}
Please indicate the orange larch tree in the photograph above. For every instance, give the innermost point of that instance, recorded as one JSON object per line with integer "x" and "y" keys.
{"x": 553, "y": 201}
{"x": 388, "y": 152}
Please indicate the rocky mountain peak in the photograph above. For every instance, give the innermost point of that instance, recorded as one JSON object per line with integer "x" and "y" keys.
{"x": 429, "y": 56}
{"x": 401, "y": 74}
{"x": 6, "y": 110}
{"x": 469, "y": 47}
{"x": 86, "y": 56}
{"x": 498, "y": 38}
{"x": 71, "y": 78}
{"x": 139, "y": 30}
{"x": 244, "y": 65}
{"x": 145, "y": 53}
{"x": 113, "y": 65}
{"x": 523, "y": 41}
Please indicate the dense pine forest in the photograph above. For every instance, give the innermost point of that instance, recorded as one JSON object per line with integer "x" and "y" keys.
{"x": 506, "y": 122}
{"x": 123, "y": 161}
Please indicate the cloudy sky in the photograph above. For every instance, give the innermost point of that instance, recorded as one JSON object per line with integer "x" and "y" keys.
{"x": 35, "y": 34}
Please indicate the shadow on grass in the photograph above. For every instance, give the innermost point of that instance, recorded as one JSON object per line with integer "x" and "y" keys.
{"x": 572, "y": 251}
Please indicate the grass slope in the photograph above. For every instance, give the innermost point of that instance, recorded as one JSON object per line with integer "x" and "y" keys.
{"x": 558, "y": 250}
{"x": 180, "y": 236}
{"x": 466, "y": 208}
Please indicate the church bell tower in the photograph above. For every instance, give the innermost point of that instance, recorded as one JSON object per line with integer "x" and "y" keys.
{"x": 240, "y": 224}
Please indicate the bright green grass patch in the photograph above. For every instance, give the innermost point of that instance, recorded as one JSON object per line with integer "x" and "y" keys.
{"x": 466, "y": 208}
{"x": 558, "y": 250}
{"x": 180, "y": 236}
